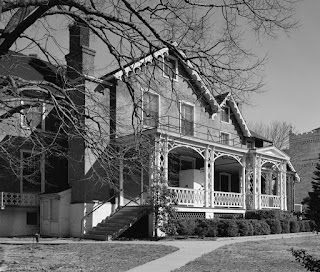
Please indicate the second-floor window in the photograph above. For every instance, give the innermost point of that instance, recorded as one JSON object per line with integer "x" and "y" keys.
{"x": 225, "y": 115}
{"x": 187, "y": 119}
{"x": 170, "y": 68}
{"x": 150, "y": 109}
{"x": 30, "y": 172}
{"x": 32, "y": 114}
{"x": 224, "y": 138}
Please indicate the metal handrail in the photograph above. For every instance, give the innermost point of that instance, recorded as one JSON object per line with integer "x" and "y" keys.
{"x": 101, "y": 204}
{"x": 119, "y": 209}
{"x": 93, "y": 210}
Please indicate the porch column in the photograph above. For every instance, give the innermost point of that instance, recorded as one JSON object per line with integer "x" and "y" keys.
{"x": 120, "y": 198}
{"x": 212, "y": 198}
{"x": 255, "y": 166}
{"x": 141, "y": 185}
{"x": 243, "y": 181}
{"x": 282, "y": 186}
{"x": 207, "y": 175}
{"x": 258, "y": 170}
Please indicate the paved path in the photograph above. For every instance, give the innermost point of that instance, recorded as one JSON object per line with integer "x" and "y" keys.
{"x": 188, "y": 251}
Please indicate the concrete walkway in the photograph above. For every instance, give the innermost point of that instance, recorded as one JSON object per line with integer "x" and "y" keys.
{"x": 189, "y": 250}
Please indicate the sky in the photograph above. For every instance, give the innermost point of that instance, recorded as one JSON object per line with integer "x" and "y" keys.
{"x": 292, "y": 75}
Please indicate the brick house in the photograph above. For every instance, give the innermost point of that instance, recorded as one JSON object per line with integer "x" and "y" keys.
{"x": 198, "y": 143}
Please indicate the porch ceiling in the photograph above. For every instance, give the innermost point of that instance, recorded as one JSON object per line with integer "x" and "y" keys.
{"x": 227, "y": 164}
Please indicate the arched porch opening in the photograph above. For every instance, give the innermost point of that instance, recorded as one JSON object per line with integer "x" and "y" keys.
{"x": 269, "y": 179}
{"x": 227, "y": 175}
{"x": 185, "y": 168}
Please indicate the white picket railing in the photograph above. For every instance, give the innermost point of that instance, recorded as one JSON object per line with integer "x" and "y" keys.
{"x": 224, "y": 199}
{"x": 17, "y": 199}
{"x": 185, "y": 196}
{"x": 270, "y": 201}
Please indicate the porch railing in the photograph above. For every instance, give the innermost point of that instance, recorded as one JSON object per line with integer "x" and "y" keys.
{"x": 225, "y": 199}
{"x": 18, "y": 199}
{"x": 185, "y": 196}
{"x": 192, "y": 129}
{"x": 270, "y": 201}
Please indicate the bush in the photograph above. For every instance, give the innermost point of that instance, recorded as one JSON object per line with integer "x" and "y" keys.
{"x": 269, "y": 214}
{"x": 186, "y": 227}
{"x": 260, "y": 227}
{"x": 207, "y": 228}
{"x": 294, "y": 226}
{"x": 245, "y": 227}
{"x": 301, "y": 226}
{"x": 275, "y": 226}
{"x": 285, "y": 226}
{"x": 308, "y": 261}
{"x": 228, "y": 228}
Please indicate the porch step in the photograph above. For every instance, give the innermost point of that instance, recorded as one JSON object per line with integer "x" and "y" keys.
{"x": 116, "y": 224}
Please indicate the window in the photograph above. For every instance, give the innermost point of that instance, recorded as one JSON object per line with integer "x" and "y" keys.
{"x": 187, "y": 116}
{"x": 170, "y": 68}
{"x": 150, "y": 109}
{"x": 32, "y": 114}
{"x": 224, "y": 138}
{"x": 30, "y": 172}
{"x": 32, "y": 218}
{"x": 225, "y": 115}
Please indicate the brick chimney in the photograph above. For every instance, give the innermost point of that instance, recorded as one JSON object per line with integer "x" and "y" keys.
{"x": 80, "y": 61}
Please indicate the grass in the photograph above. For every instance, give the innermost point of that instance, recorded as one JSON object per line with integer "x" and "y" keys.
{"x": 269, "y": 255}
{"x": 78, "y": 257}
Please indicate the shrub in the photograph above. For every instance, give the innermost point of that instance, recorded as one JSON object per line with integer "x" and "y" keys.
{"x": 207, "y": 228}
{"x": 245, "y": 227}
{"x": 285, "y": 226}
{"x": 307, "y": 260}
{"x": 186, "y": 226}
{"x": 228, "y": 228}
{"x": 275, "y": 226}
{"x": 301, "y": 226}
{"x": 260, "y": 227}
{"x": 294, "y": 226}
{"x": 269, "y": 214}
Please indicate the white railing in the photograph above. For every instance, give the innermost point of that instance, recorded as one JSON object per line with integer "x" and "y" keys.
{"x": 17, "y": 199}
{"x": 270, "y": 201}
{"x": 224, "y": 199}
{"x": 185, "y": 196}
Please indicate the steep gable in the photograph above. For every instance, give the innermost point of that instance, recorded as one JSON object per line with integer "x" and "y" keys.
{"x": 196, "y": 83}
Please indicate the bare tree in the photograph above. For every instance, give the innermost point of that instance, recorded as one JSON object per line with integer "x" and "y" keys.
{"x": 209, "y": 38}
{"x": 276, "y": 131}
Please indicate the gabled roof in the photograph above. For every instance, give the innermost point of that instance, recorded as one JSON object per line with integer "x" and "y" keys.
{"x": 227, "y": 99}
{"x": 45, "y": 76}
{"x": 201, "y": 90}
{"x": 277, "y": 153}
{"x": 258, "y": 136}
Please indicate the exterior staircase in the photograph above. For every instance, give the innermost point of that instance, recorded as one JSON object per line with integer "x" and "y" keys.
{"x": 117, "y": 223}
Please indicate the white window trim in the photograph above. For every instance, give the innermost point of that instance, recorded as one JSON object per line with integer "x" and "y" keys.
{"x": 42, "y": 165}
{"x": 142, "y": 105}
{"x": 22, "y": 116}
{"x": 227, "y": 133}
{"x": 176, "y": 68}
{"x": 180, "y": 115}
{"x": 229, "y": 180}
{"x": 229, "y": 119}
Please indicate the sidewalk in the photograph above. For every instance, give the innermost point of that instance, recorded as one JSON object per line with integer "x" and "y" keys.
{"x": 189, "y": 250}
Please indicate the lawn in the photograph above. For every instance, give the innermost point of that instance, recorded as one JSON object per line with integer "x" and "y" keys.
{"x": 269, "y": 255}
{"x": 78, "y": 257}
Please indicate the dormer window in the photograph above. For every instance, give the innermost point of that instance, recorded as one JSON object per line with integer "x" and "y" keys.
{"x": 170, "y": 67}
{"x": 32, "y": 114}
{"x": 225, "y": 115}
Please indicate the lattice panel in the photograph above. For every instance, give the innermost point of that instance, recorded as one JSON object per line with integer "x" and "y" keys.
{"x": 190, "y": 215}
{"x": 17, "y": 199}
{"x": 270, "y": 201}
{"x": 229, "y": 215}
{"x": 185, "y": 196}
{"x": 228, "y": 199}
